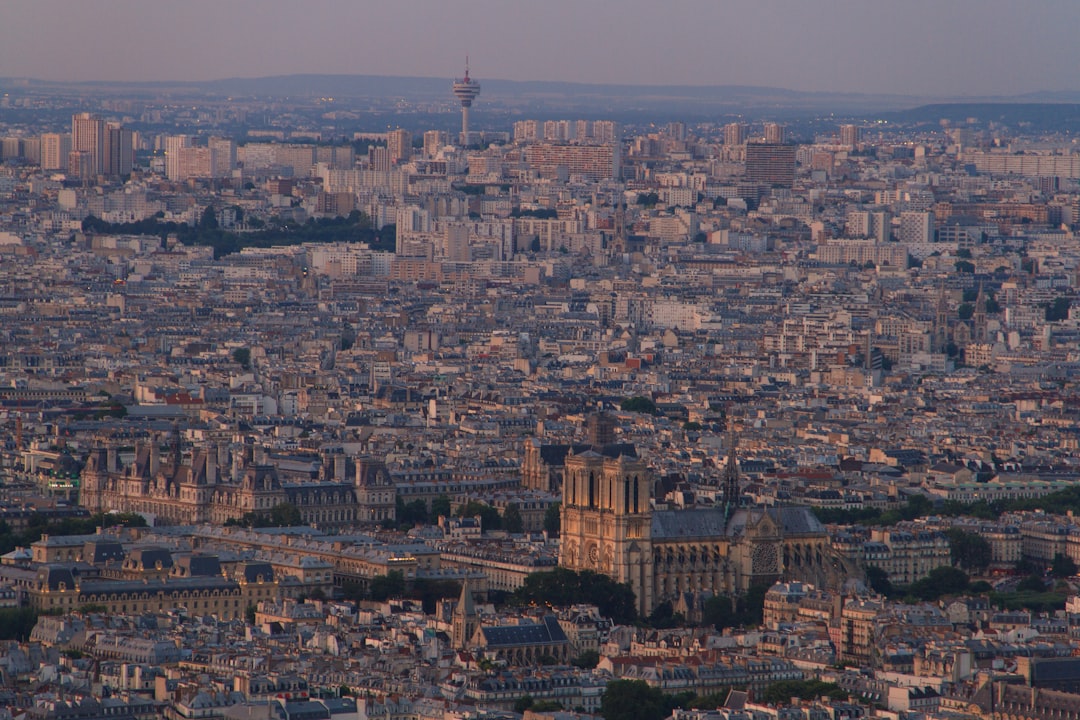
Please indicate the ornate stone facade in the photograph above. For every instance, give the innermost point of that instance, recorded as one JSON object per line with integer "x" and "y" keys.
{"x": 609, "y": 525}
{"x": 346, "y": 491}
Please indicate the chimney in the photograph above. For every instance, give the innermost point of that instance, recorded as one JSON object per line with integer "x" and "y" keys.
{"x": 339, "y": 467}
{"x": 154, "y": 460}
{"x": 110, "y": 459}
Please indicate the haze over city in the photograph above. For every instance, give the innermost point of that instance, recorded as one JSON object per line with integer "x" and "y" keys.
{"x": 958, "y": 48}
{"x": 677, "y": 360}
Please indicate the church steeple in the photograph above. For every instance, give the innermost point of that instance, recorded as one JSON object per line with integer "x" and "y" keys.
{"x": 731, "y": 474}
{"x": 464, "y": 621}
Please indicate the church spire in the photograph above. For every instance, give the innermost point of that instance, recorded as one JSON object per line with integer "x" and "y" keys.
{"x": 731, "y": 473}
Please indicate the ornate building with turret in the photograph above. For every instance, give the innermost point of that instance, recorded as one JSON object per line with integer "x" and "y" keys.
{"x": 217, "y": 485}
{"x": 611, "y": 525}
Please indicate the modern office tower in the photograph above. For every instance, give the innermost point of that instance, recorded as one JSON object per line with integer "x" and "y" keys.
{"x": 465, "y": 90}
{"x": 916, "y": 227}
{"x": 595, "y": 162}
{"x": 119, "y": 152}
{"x": 849, "y": 135}
{"x": 775, "y": 134}
{"x": 399, "y": 143}
{"x": 606, "y": 131}
{"x": 582, "y": 129}
{"x": 173, "y": 145}
{"x": 770, "y": 164}
{"x": 434, "y": 141}
{"x": 676, "y": 130}
{"x": 55, "y": 148}
{"x": 558, "y": 130}
{"x": 734, "y": 134}
{"x": 88, "y": 136}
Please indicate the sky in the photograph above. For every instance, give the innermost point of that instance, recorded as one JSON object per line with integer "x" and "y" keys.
{"x": 936, "y": 48}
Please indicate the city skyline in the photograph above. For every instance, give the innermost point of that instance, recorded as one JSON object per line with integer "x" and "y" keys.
{"x": 959, "y": 49}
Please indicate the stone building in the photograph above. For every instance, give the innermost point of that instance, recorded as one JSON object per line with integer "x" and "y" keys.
{"x": 217, "y": 485}
{"x": 609, "y": 525}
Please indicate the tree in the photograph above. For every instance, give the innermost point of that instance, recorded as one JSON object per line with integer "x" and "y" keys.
{"x": 878, "y": 580}
{"x": 965, "y": 311}
{"x": 242, "y": 356}
{"x": 16, "y": 623}
{"x": 963, "y": 266}
{"x": 440, "y": 506}
{"x": 208, "y": 221}
{"x": 969, "y": 550}
{"x": 1032, "y": 583}
{"x": 512, "y": 520}
{"x": 944, "y": 580}
{"x": 639, "y": 404}
{"x": 546, "y": 706}
{"x": 489, "y": 515}
{"x": 567, "y": 587}
{"x": 384, "y": 587}
{"x": 781, "y": 693}
{"x": 1058, "y": 310}
{"x": 552, "y": 519}
{"x": 633, "y": 700}
{"x": 1063, "y": 566}
{"x": 411, "y": 513}
{"x": 523, "y": 703}
{"x": 587, "y": 659}
{"x": 285, "y": 515}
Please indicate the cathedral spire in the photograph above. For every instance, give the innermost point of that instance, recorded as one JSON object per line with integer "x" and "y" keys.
{"x": 731, "y": 473}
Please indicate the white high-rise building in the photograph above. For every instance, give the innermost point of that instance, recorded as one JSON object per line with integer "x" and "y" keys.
{"x": 55, "y": 148}
{"x": 173, "y": 145}
{"x": 916, "y": 227}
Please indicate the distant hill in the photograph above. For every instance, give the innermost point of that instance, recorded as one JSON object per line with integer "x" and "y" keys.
{"x": 1041, "y": 116}
{"x": 514, "y": 96}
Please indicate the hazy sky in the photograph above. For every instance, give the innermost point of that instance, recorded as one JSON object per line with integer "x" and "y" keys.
{"x": 924, "y": 47}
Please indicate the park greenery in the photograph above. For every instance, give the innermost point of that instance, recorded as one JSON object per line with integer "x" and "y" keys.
{"x": 356, "y": 227}
{"x": 39, "y": 524}
{"x": 639, "y": 404}
{"x": 281, "y": 515}
{"x": 919, "y": 506}
{"x": 562, "y": 587}
{"x": 393, "y": 585}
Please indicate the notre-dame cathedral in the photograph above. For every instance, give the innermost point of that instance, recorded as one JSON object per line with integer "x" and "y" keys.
{"x": 609, "y": 525}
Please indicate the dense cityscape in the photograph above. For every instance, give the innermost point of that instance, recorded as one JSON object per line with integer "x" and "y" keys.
{"x": 364, "y": 408}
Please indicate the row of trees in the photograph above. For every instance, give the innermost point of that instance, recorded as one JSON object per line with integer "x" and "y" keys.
{"x": 281, "y": 515}
{"x": 39, "y": 525}
{"x": 637, "y": 700}
{"x": 416, "y": 512}
{"x": 393, "y": 585}
{"x": 356, "y": 227}
{"x": 917, "y": 506}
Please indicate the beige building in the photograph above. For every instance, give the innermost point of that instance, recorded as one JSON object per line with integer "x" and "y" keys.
{"x": 609, "y": 526}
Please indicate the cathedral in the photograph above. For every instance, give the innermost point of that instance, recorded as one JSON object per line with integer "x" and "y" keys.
{"x": 610, "y": 525}
{"x": 217, "y": 485}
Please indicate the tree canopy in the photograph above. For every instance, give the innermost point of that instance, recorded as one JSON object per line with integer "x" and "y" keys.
{"x": 562, "y": 587}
